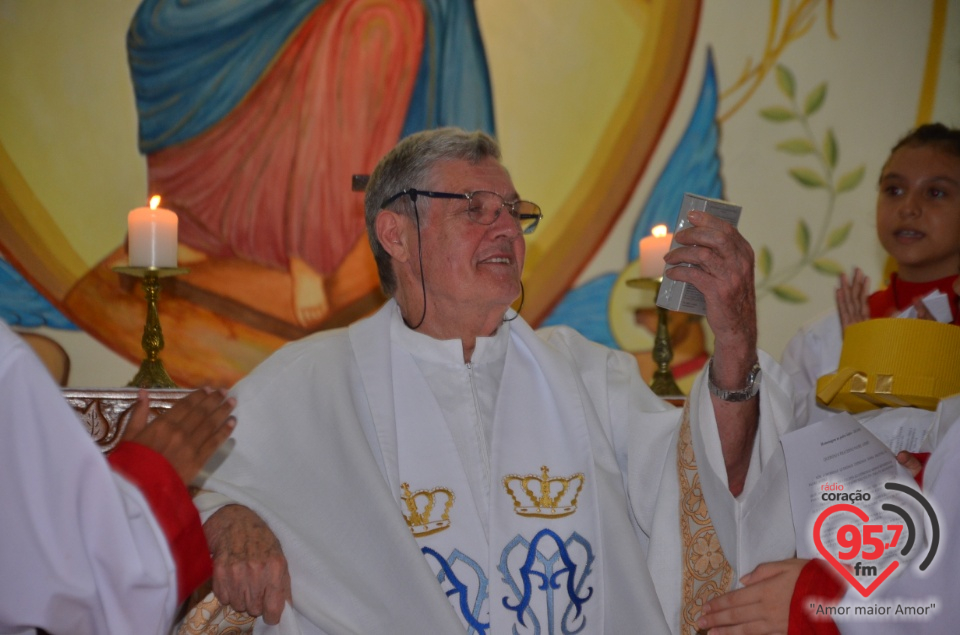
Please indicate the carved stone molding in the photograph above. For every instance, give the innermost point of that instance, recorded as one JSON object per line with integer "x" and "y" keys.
{"x": 106, "y": 412}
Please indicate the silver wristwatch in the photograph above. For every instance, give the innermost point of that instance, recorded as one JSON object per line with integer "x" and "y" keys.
{"x": 748, "y": 392}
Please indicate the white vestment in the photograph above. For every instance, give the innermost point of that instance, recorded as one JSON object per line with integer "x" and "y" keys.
{"x": 80, "y": 550}
{"x": 317, "y": 455}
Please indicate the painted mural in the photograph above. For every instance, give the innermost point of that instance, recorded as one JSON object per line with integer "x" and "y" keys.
{"x": 253, "y": 117}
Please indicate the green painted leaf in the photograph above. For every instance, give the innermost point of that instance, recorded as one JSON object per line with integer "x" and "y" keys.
{"x": 796, "y": 146}
{"x": 815, "y": 99}
{"x": 807, "y": 177}
{"x": 785, "y": 81}
{"x": 777, "y": 114}
{"x": 765, "y": 261}
{"x": 830, "y": 149}
{"x": 789, "y": 294}
{"x": 827, "y": 266}
{"x": 803, "y": 237}
{"x": 850, "y": 180}
{"x": 839, "y": 235}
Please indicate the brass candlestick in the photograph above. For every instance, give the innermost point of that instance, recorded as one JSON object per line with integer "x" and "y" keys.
{"x": 152, "y": 374}
{"x": 663, "y": 384}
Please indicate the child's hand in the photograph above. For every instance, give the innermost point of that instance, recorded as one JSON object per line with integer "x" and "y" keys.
{"x": 910, "y": 462}
{"x": 852, "y": 298}
{"x": 762, "y": 606}
{"x": 923, "y": 313}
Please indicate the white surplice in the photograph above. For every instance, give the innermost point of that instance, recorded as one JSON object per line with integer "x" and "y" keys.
{"x": 317, "y": 455}
{"x": 813, "y": 351}
{"x": 80, "y": 550}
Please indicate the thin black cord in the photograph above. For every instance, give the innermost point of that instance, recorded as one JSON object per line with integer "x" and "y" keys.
{"x": 423, "y": 284}
{"x": 519, "y": 307}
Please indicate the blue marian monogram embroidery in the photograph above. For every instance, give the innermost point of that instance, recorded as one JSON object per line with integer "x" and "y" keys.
{"x": 471, "y": 614}
{"x": 576, "y": 574}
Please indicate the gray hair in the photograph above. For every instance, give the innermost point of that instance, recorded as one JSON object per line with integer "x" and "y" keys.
{"x": 410, "y": 165}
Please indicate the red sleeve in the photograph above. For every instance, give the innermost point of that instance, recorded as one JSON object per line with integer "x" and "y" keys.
{"x": 816, "y": 584}
{"x": 172, "y": 507}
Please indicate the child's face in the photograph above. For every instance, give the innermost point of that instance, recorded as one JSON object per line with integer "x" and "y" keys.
{"x": 918, "y": 212}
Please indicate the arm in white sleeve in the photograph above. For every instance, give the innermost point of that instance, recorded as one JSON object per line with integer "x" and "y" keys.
{"x": 82, "y": 549}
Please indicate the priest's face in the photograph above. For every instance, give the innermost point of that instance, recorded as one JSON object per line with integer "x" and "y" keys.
{"x": 918, "y": 212}
{"x": 470, "y": 270}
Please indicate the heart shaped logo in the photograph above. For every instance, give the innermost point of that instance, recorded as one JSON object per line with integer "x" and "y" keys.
{"x": 839, "y": 566}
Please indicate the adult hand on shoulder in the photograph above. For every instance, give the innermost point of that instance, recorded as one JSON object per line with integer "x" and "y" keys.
{"x": 249, "y": 569}
{"x": 852, "y": 298}
{"x": 188, "y": 433}
{"x": 762, "y": 606}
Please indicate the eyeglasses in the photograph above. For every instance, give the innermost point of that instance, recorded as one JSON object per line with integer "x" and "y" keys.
{"x": 484, "y": 208}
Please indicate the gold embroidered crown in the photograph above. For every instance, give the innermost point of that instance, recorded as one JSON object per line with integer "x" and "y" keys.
{"x": 543, "y": 496}
{"x": 420, "y": 505}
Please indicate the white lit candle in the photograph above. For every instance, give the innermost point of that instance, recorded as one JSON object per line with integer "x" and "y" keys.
{"x": 652, "y": 250}
{"x": 152, "y": 236}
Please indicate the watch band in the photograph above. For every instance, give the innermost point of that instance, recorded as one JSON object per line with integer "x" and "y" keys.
{"x": 744, "y": 394}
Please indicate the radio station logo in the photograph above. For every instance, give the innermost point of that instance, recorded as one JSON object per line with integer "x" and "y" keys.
{"x": 867, "y": 544}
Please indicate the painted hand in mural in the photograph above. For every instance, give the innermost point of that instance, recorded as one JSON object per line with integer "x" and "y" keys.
{"x": 187, "y": 434}
{"x": 249, "y": 569}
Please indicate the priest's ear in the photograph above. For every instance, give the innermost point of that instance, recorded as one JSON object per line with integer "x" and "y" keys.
{"x": 396, "y": 234}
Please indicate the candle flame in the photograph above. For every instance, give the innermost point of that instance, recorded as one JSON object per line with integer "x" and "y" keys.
{"x": 659, "y": 231}
{"x": 155, "y": 201}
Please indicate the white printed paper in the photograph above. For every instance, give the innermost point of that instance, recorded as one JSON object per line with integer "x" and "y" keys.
{"x": 836, "y": 455}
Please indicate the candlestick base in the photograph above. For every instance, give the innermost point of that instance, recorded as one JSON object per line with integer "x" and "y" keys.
{"x": 152, "y": 374}
{"x": 663, "y": 383}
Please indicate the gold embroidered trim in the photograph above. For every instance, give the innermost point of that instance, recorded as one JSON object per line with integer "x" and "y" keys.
{"x": 209, "y": 617}
{"x": 705, "y": 572}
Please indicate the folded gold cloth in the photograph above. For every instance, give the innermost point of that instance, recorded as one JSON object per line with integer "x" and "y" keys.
{"x": 894, "y": 362}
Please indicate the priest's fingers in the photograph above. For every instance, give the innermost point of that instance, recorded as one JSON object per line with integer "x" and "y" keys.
{"x": 275, "y": 599}
{"x": 249, "y": 569}
{"x": 723, "y": 269}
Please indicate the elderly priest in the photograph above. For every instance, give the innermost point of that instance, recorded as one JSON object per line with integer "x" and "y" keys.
{"x": 441, "y": 467}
